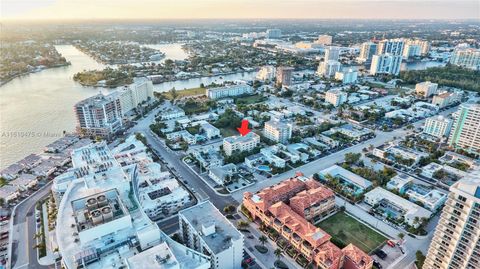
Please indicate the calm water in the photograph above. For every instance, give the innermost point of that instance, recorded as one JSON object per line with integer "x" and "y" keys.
{"x": 35, "y": 109}
{"x": 195, "y": 82}
{"x": 39, "y": 106}
{"x": 172, "y": 51}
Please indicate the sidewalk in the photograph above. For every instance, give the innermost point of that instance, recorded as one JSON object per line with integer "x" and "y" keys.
{"x": 49, "y": 259}
{"x": 268, "y": 259}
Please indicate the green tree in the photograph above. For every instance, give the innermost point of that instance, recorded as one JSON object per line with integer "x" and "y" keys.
{"x": 401, "y": 235}
{"x": 420, "y": 259}
{"x": 278, "y": 253}
{"x": 352, "y": 158}
{"x": 173, "y": 93}
{"x": 262, "y": 239}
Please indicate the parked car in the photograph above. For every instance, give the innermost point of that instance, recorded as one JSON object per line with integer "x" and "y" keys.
{"x": 377, "y": 264}
{"x": 381, "y": 254}
{"x": 391, "y": 243}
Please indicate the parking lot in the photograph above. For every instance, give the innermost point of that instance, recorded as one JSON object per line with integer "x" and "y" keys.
{"x": 393, "y": 253}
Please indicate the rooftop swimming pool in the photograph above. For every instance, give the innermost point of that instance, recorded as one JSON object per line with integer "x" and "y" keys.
{"x": 264, "y": 168}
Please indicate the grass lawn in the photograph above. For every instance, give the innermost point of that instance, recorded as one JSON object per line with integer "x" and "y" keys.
{"x": 228, "y": 132}
{"x": 185, "y": 93}
{"x": 247, "y": 100}
{"x": 348, "y": 230}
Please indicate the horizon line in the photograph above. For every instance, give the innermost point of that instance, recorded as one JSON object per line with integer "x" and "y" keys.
{"x": 240, "y": 18}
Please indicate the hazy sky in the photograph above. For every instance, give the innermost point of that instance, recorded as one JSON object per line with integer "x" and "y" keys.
{"x": 167, "y": 9}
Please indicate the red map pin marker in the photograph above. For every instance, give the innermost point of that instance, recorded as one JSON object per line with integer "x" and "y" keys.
{"x": 243, "y": 130}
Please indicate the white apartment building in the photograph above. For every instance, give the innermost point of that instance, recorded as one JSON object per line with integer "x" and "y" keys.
{"x": 467, "y": 57}
{"x": 401, "y": 206}
{"x": 332, "y": 53}
{"x": 240, "y": 143}
{"x": 266, "y": 73}
{"x": 367, "y": 50}
{"x": 206, "y": 230}
{"x": 328, "y": 68}
{"x": 182, "y": 135}
{"x": 424, "y": 45}
{"x": 99, "y": 115}
{"x": 438, "y": 126}
{"x": 455, "y": 243}
{"x": 385, "y": 64}
{"x": 209, "y": 130}
{"x": 324, "y": 40}
{"x": 336, "y": 97}
{"x": 171, "y": 113}
{"x": 98, "y": 215}
{"x": 426, "y": 88}
{"x": 411, "y": 50}
{"x": 229, "y": 91}
{"x": 274, "y": 34}
{"x": 134, "y": 95}
{"x": 278, "y": 131}
{"x": 391, "y": 46}
{"x": 347, "y": 77}
{"x": 466, "y": 128}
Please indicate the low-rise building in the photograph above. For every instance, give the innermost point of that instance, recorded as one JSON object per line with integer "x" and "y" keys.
{"x": 222, "y": 174}
{"x": 204, "y": 228}
{"x": 390, "y": 151}
{"x": 394, "y": 206}
{"x": 171, "y": 113}
{"x": 9, "y": 193}
{"x": 429, "y": 198}
{"x": 315, "y": 203}
{"x": 355, "y": 132}
{"x": 209, "y": 130}
{"x": 290, "y": 221}
{"x": 352, "y": 182}
{"x": 229, "y": 91}
{"x": 207, "y": 156}
{"x": 240, "y": 143}
{"x": 400, "y": 183}
{"x": 182, "y": 135}
{"x": 444, "y": 99}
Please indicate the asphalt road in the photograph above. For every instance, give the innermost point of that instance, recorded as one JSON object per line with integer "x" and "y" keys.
{"x": 24, "y": 219}
{"x": 23, "y": 254}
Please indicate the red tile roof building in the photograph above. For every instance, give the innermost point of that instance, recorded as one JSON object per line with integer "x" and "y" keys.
{"x": 314, "y": 204}
{"x": 355, "y": 258}
{"x": 289, "y": 207}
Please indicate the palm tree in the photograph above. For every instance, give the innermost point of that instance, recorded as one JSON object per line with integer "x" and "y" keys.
{"x": 262, "y": 239}
{"x": 401, "y": 235}
{"x": 278, "y": 253}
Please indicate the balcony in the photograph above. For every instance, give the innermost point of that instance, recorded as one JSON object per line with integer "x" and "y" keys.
{"x": 296, "y": 237}
{"x": 287, "y": 230}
